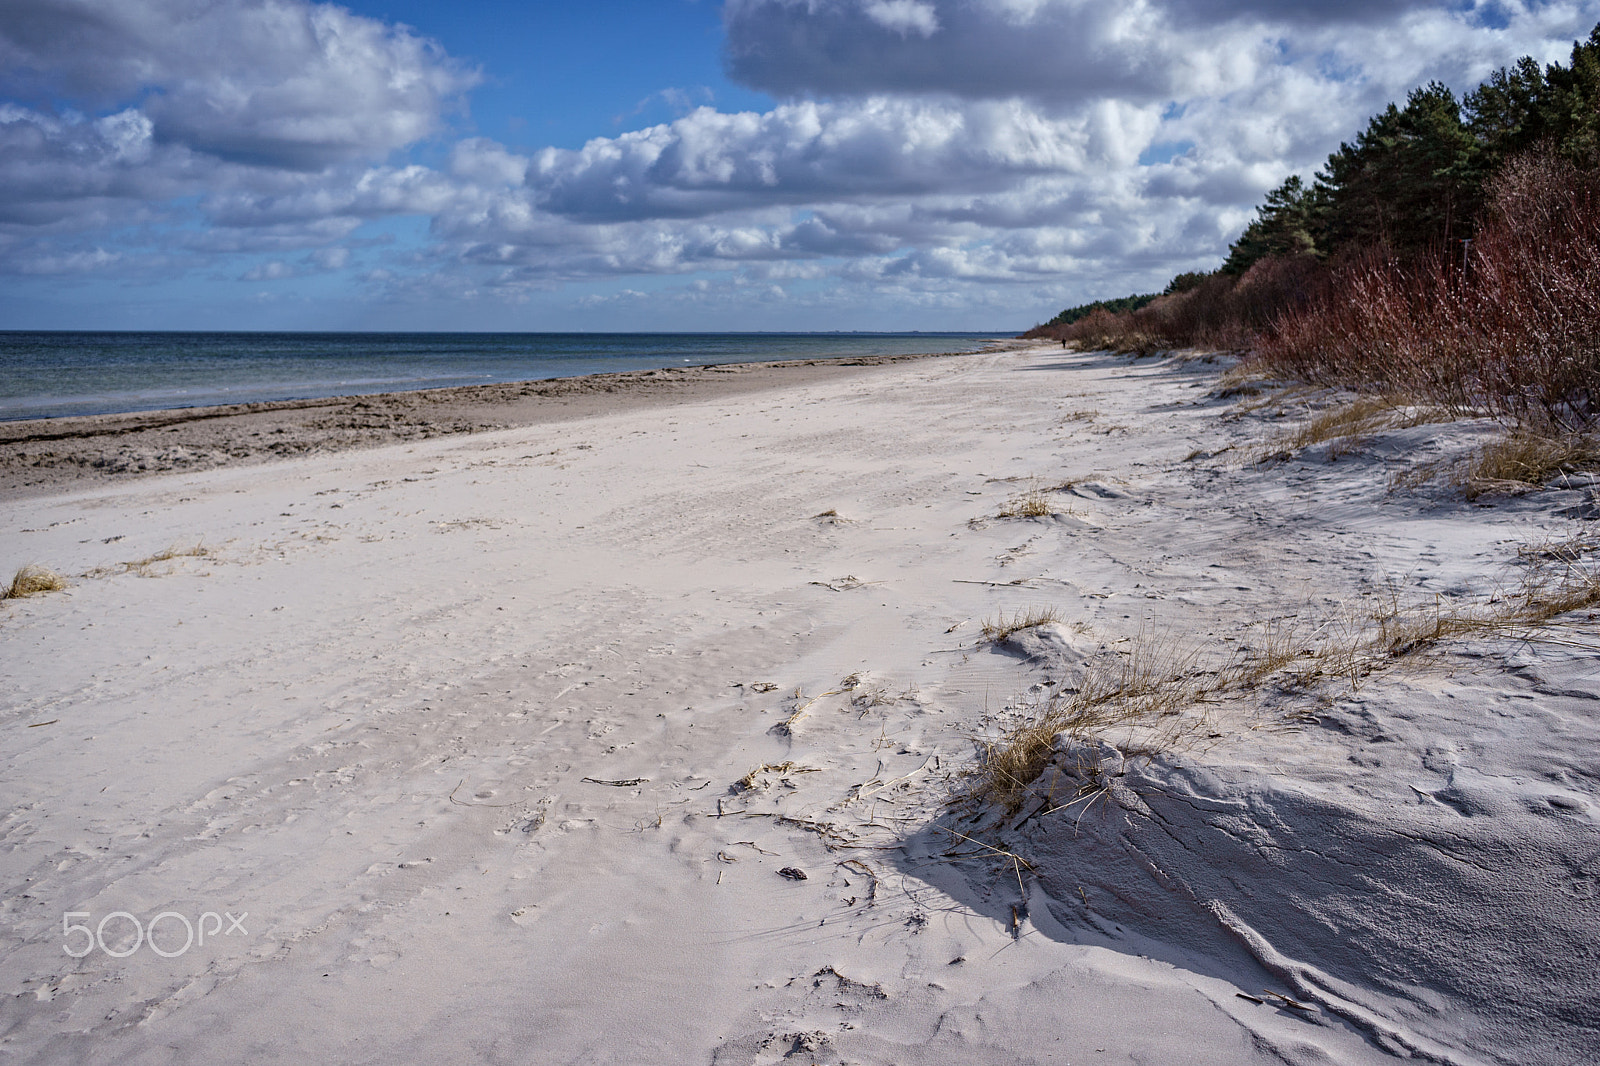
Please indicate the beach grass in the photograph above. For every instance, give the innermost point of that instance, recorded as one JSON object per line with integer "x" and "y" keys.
{"x": 1162, "y": 689}
{"x": 1003, "y": 627}
{"x": 32, "y": 580}
{"x": 1031, "y": 504}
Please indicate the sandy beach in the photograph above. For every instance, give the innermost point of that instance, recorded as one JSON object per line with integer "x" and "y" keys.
{"x": 628, "y": 722}
{"x": 42, "y": 455}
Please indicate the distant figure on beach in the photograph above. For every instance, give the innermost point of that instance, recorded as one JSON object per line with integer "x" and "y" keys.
{"x": 1063, "y": 343}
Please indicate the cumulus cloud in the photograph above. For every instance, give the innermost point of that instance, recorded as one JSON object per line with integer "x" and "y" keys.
{"x": 281, "y": 83}
{"x": 112, "y": 110}
{"x": 47, "y": 164}
{"x": 934, "y": 152}
{"x": 1067, "y": 51}
{"x": 709, "y": 161}
{"x": 1053, "y": 49}
{"x": 904, "y": 17}
{"x": 274, "y": 270}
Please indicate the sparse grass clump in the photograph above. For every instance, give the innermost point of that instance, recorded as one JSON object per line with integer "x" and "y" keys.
{"x": 1523, "y": 461}
{"x": 1002, "y": 627}
{"x": 1516, "y": 463}
{"x": 1349, "y": 425}
{"x": 33, "y": 580}
{"x": 1155, "y": 686}
{"x": 1031, "y": 504}
{"x": 1359, "y": 418}
{"x": 1150, "y": 684}
{"x": 146, "y": 567}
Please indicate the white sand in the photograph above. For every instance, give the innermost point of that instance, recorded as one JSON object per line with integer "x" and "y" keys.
{"x": 366, "y": 718}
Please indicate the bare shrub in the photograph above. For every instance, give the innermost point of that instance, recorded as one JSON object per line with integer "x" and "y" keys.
{"x": 1219, "y": 311}
{"x": 1510, "y": 327}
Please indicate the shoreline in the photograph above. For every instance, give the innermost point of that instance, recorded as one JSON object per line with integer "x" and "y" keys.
{"x": 43, "y": 455}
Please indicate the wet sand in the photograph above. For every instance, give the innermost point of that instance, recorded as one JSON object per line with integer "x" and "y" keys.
{"x": 39, "y": 456}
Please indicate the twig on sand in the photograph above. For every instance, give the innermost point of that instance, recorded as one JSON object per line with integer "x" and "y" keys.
{"x": 750, "y": 781}
{"x": 845, "y": 584}
{"x": 1017, "y": 861}
{"x": 466, "y": 803}
{"x": 862, "y": 792}
{"x": 995, "y": 584}
{"x": 627, "y": 783}
{"x": 857, "y": 864}
{"x": 830, "y": 834}
{"x": 1283, "y": 1000}
{"x": 801, "y": 709}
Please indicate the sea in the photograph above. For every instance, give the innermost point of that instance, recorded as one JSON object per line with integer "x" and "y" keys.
{"x": 55, "y": 374}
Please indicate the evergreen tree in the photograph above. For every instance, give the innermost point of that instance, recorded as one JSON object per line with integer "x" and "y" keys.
{"x": 1282, "y": 226}
{"x": 1572, "y": 111}
{"x": 1412, "y": 179}
{"x": 1522, "y": 106}
{"x": 1507, "y": 113}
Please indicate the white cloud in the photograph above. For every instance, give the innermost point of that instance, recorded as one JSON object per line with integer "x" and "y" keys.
{"x": 708, "y": 161}
{"x": 281, "y": 83}
{"x": 275, "y": 270}
{"x": 927, "y": 151}
{"x": 335, "y": 258}
{"x": 904, "y": 17}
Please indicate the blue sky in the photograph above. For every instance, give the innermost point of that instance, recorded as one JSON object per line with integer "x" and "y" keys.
{"x": 676, "y": 165}
{"x": 561, "y": 73}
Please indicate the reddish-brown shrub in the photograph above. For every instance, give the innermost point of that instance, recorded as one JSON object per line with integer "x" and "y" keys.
{"x": 1510, "y": 326}
{"x": 1219, "y": 312}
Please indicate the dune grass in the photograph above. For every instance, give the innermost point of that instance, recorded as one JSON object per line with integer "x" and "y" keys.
{"x": 1516, "y": 463}
{"x": 146, "y": 567}
{"x": 32, "y": 580}
{"x": 1154, "y": 680}
{"x": 1346, "y": 426}
{"x": 1031, "y": 504}
{"x": 1161, "y": 691}
{"x": 1002, "y": 627}
{"x": 1523, "y": 461}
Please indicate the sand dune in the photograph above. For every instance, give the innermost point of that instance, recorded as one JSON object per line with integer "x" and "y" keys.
{"x": 515, "y": 746}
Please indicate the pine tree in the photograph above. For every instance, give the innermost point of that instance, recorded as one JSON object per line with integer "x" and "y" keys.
{"x": 1282, "y": 226}
{"x": 1412, "y": 179}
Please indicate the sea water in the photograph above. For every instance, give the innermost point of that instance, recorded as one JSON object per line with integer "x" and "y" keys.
{"x": 47, "y": 375}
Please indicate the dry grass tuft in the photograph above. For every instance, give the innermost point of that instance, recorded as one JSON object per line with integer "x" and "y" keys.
{"x": 1360, "y": 418}
{"x": 33, "y": 580}
{"x": 1002, "y": 627}
{"x": 1031, "y": 504}
{"x": 1521, "y": 462}
{"x": 1243, "y": 379}
{"x": 802, "y": 707}
{"x": 1151, "y": 684}
{"x": 1346, "y": 427}
{"x": 1279, "y": 646}
{"x": 146, "y": 567}
{"x": 1515, "y": 464}
{"x": 753, "y": 780}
